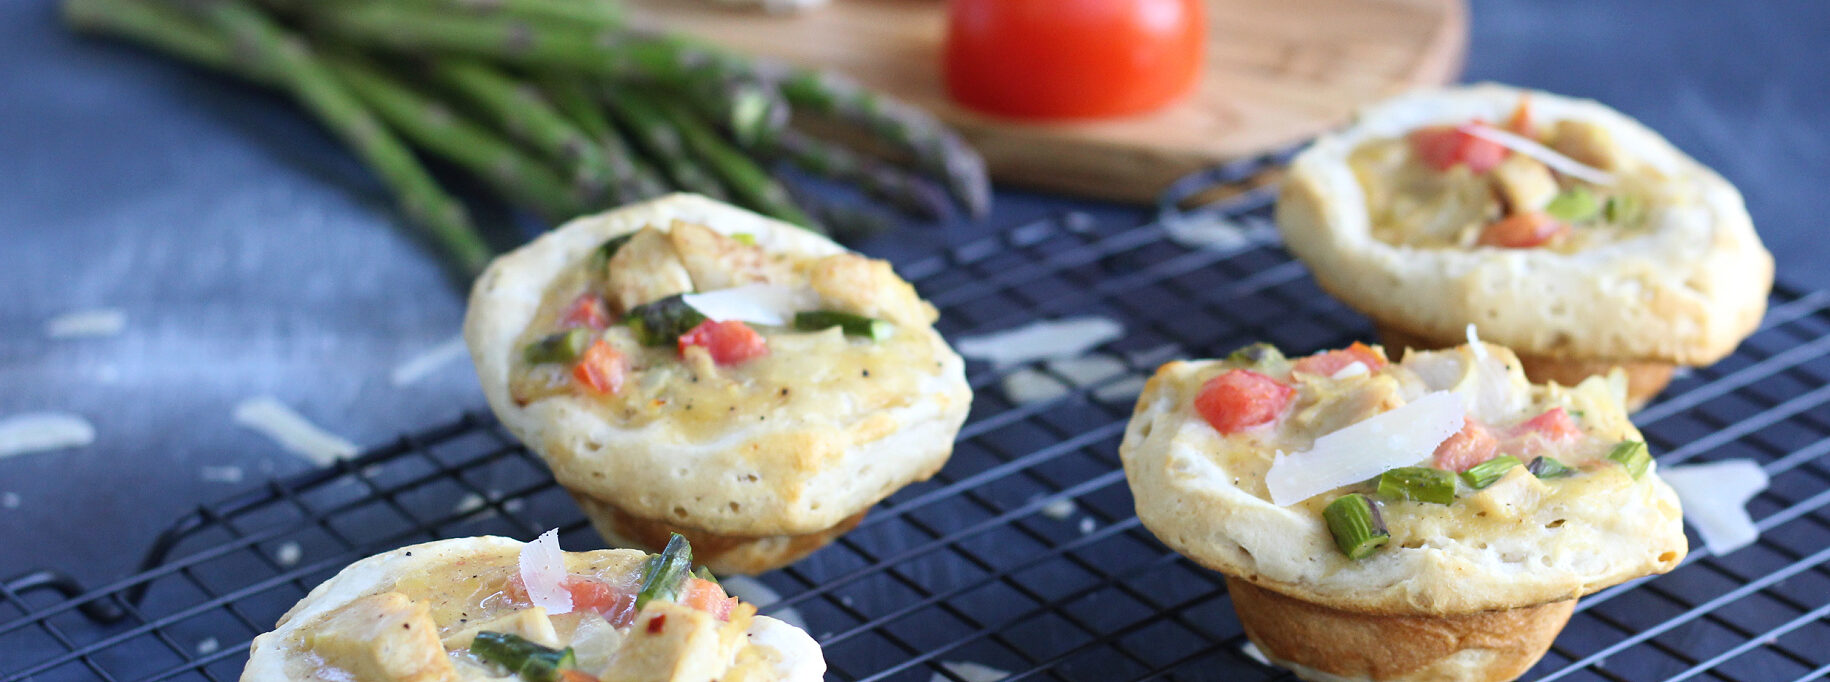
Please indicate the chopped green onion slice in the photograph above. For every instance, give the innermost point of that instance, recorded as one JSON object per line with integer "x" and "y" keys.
{"x": 1620, "y": 209}
{"x": 526, "y": 658}
{"x": 1632, "y": 456}
{"x": 744, "y": 238}
{"x": 1422, "y": 484}
{"x": 564, "y": 346}
{"x": 1256, "y": 355}
{"x": 666, "y": 573}
{"x": 853, "y": 325}
{"x": 705, "y": 574}
{"x": 1548, "y": 467}
{"x": 1484, "y": 474}
{"x": 661, "y": 322}
{"x": 1357, "y": 527}
{"x": 1574, "y": 205}
{"x": 600, "y": 257}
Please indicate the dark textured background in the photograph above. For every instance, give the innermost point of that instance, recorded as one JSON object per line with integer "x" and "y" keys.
{"x": 253, "y": 256}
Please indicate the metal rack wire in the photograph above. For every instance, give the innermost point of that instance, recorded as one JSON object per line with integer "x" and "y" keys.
{"x": 986, "y": 564}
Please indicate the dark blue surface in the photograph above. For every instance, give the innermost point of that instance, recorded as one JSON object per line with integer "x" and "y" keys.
{"x": 253, "y": 256}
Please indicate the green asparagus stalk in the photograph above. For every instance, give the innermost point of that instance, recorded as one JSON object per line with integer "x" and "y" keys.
{"x": 749, "y": 106}
{"x": 910, "y": 193}
{"x": 936, "y": 149}
{"x": 295, "y": 66}
{"x": 752, "y": 185}
{"x": 443, "y": 132}
{"x": 165, "y": 28}
{"x": 520, "y": 109}
{"x": 650, "y": 130}
{"x": 632, "y": 178}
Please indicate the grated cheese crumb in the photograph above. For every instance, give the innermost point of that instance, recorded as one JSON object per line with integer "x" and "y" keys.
{"x": 288, "y": 553}
{"x": 43, "y": 431}
{"x": 81, "y": 323}
{"x": 1252, "y": 651}
{"x": 208, "y": 646}
{"x": 1059, "y": 508}
{"x": 970, "y": 672}
{"x": 273, "y": 419}
{"x": 1087, "y": 526}
{"x": 221, "y": 474}
{"x": 423, "y": 365}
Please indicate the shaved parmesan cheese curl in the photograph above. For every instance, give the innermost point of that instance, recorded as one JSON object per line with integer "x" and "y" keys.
{"x": 1715, "y": 496}
{"x": 1545, "y": 155}
{"x": 1402, "y": 437}
{"x": 543, "y": 572}
{"x": 766, "y": 304}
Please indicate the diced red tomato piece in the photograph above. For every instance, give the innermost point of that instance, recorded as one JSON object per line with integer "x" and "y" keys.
{"x": 575, "y": 675}
{"x": 707, "y": 596}
{"x": 1523, "y": 231}
{"x": 1554, "y": 424}
{"x": 588, "y": 594}
{"x": 1473, "y": 444}
{"x": 731, "y": 342}
{"x": 588, "y": 310}
{"x": 1521, "y": 121}
{"x": 601, "y": 369}
{"x": 1327, "y": 363}
{"x": 1444, "y": 147}
{"x": 1240, "y": 399}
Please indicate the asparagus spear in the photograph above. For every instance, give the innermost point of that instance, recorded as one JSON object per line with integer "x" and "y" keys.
{"x": 748, "y": 106}
{"x": 441, "y": 131}
{"x": 936, "y": 149}
{"x": 524, "y": 113}
{"x": 754, "y": 186}
{"x": 910, "y": 193}
{"x": 632, "y": 179}
{"x": 294, "y": 66}
{"x": 663, "y": 142}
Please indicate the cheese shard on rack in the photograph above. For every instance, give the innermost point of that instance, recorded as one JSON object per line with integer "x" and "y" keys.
{"x": 1402, "y": 437}
{"x": 543, "y": 571}
{"x": 765, "y": 304}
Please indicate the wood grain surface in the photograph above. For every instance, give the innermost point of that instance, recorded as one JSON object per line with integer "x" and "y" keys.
{"x": 1277, "y": 73}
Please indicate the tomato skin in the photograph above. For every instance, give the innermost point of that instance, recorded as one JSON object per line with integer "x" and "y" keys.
{"x": 707, "y": 596}
{"x": 588, "y": 310}
{"x": 1056, "y": 59}
{"x": 1241, "y": 399}
{"x": 731, "y": 342}
{"x": 1444, "y": 147}
{"x": 1327, "y": 363}
{"x": 1522, "y": 231}
{"x": 588, "y": 594}
{"x": 601, "y": 369}
{"x": 1554, "y": 424}
{"x": 1473, "y": 444}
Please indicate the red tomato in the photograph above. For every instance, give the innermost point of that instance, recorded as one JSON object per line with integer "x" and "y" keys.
{"x": 1522, "y": 231}
{"x": 1240, "y": 399}
{"x": 707, "y": 596}
{"x": 588, "y": 310}
{"x": 1072, "y": 58}
{"x": 1473, "y": 444}
{"x": 588, "y": 594}
{"x": 602, "y": 369}
{"x": 1554, "y": 424}
{"x": 730, "y": 342}
{"x": 1443, "y": 147}
{"x": 1326, "y": 363}
{"x": 574, "y": 675}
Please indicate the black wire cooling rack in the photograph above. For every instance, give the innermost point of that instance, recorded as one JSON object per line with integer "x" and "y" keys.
{"x": 1023, "y": 555}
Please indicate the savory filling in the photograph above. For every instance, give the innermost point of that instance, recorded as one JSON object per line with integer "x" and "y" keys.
{"x": 1443, "y": 446}
{"x": 699, "y": 327}
{"x": 1563, "y": 186}
{"x": 580, "y": 618}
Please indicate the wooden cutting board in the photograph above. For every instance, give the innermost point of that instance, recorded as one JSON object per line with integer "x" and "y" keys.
{"x": 1277, "y": 73}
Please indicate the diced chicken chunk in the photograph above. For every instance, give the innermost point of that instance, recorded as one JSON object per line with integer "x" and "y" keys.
{"x": 646, "y": 269}
{"x": 868, "y": 287}
{"x": 715, "y": 261}
{"x": 1514, "y": 495}
{"x": 532, "y": 624}
{"x": 1524, "y": 183}
{"x": 1588, "y": 143}
{"x": 387, "y": 637}
{"x": 674, "y": 643}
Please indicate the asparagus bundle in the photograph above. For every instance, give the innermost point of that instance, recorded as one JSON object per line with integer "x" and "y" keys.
{"x": 557, "y": 106}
